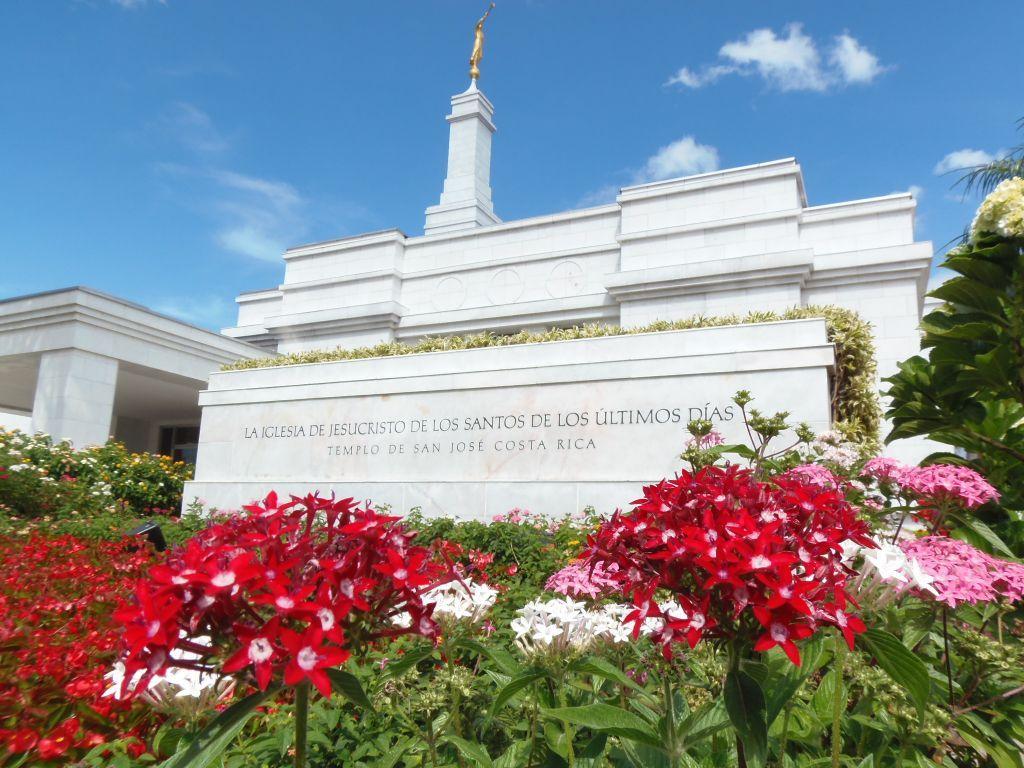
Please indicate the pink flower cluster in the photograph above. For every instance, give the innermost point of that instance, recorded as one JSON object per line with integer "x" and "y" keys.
{"x": 710, "y": 440}
{"x": 963, "y": 574}
{"x": 578, "y": 579}
{"x": 517, "y": 516}
{"x": 935, "y": 483}
{"x": 814, "y": 474}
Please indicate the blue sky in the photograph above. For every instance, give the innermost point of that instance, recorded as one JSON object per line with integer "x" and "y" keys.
{"x": 168, "y": 151}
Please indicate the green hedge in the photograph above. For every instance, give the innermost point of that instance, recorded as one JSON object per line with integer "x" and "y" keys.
{"x": 855, "y": 407}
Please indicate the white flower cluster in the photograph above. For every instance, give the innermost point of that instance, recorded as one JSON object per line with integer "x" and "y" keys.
{"x": 1002, "y": 212}
{"x": 179, "y": 689}
{"x": 833, "y": 449}
{"x": 887, "y": 572}
{"x": 562, "y": 626}
{"x": 457, "y": 601}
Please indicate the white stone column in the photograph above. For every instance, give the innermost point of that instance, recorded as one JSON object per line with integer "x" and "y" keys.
{"x": 466, "y": 199}
{"x": 74, "y": 396}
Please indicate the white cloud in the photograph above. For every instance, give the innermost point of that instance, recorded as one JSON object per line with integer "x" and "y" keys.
{"x": 209, "y": 311}
{"x": 692, "y": 79}
{"x": 253, "y": 216}
{"x": 914, "y": 190}
{"x": 132, "y": 4}
{"x": 791, "y": 61}
{"x": 193, "y": 128}
{"x": 962, "y": 158}
{"x": 855, "y": 62}
{"x": 601, "y": 196}
{"x": 261, "y": 216}
{"x": 682, "y": 157}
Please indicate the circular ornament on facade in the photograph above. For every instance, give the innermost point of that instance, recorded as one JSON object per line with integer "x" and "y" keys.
{"x": 449, "y": 294}
{"x": 566, "y": 279}
{"x": 506, "y": 286}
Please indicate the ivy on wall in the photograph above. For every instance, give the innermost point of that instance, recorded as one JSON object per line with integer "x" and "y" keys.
{"x": 855, "y": 407}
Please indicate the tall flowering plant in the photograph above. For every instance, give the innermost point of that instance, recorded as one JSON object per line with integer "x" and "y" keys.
{"x": 283, "y": 593}
{"x": 750, "y": 562}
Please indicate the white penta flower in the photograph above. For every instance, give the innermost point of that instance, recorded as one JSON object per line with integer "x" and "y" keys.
{"x": 455, "y": 602}
{"x": 919, "y": 578}
{"x": 888, "y": 561}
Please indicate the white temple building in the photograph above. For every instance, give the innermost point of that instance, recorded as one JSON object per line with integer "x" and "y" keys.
{"x": 731, "y": 241}
{"x": 84, "y": 365}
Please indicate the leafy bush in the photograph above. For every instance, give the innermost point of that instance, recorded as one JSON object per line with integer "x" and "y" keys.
{"x": 969, "y": 391}
{"x": 96, "y": 493}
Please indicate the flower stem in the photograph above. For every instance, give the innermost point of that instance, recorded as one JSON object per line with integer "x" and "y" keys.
{"x": 670, "y": 721}
{"x": 838, "y": 702}
{"x": 301, "y": 723}
{"x": 949, "y": 662}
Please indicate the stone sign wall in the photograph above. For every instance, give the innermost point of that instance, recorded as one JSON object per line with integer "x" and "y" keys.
{"x": 552, "y": 427}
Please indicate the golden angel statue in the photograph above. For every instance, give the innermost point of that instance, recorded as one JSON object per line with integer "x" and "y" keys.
{"x": 478, "y": 45}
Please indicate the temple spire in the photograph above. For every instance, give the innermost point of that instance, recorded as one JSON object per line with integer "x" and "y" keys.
{"x": 466, "y": 197}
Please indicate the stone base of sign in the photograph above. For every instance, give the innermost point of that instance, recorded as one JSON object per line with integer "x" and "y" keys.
{"x": 552, "y": 427}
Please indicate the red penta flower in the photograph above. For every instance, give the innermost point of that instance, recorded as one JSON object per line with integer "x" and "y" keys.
{"x": 747, "y": 561}
{"x": 781, "y": 629}
{"x": 278, "y": 590}
{"x": 310, "y": 657}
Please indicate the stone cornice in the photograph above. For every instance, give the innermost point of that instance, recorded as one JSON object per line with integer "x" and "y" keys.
{"x": 706, "y": 226}
{"x": 546, "y": 313}
{"x": 727, "y": 177}
{"x": 345, "y": 243}
{"x": 385, "y": 314}
{"x": 787, "y": 268}
{"x": 84, "y": 306}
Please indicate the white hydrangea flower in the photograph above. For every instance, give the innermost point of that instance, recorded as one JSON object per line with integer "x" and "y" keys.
{"x": 1002, "y": 212}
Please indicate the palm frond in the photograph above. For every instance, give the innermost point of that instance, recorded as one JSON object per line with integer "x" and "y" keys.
{"x": 986, "y": 177}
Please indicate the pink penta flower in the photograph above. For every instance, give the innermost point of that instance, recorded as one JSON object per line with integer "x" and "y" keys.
{"x": 949, "y": 482}
{"x": 961, "y": 573}
{"x": 884, "y": 469}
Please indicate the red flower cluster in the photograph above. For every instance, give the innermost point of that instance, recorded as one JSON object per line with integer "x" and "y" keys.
{"x": 745, "y": 560}
{"x": 281, "y": 589}
{"x": 58, "y": 639}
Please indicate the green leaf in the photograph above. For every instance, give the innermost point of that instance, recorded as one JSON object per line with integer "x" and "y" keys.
{"x": 822, "y": 699}
{"x": 214, "y": 738}
{"x": 474, "y": 752}
{"x": 502, "y": 659}
{"x": 594, "y": 665}
{"x": 513, "y": 756}
{"x": 407, "y": 662}
{"x": 348, "y": 685}
{"x": 514, "y": 686}
{"x": 965, "y": 292}
{"x": 744, "y": 701}
{"x": 983, "y": 533}
{"x": 900, "y": 664}
{"x": 604, "y": 718}
{"x": 705, "y": 722}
